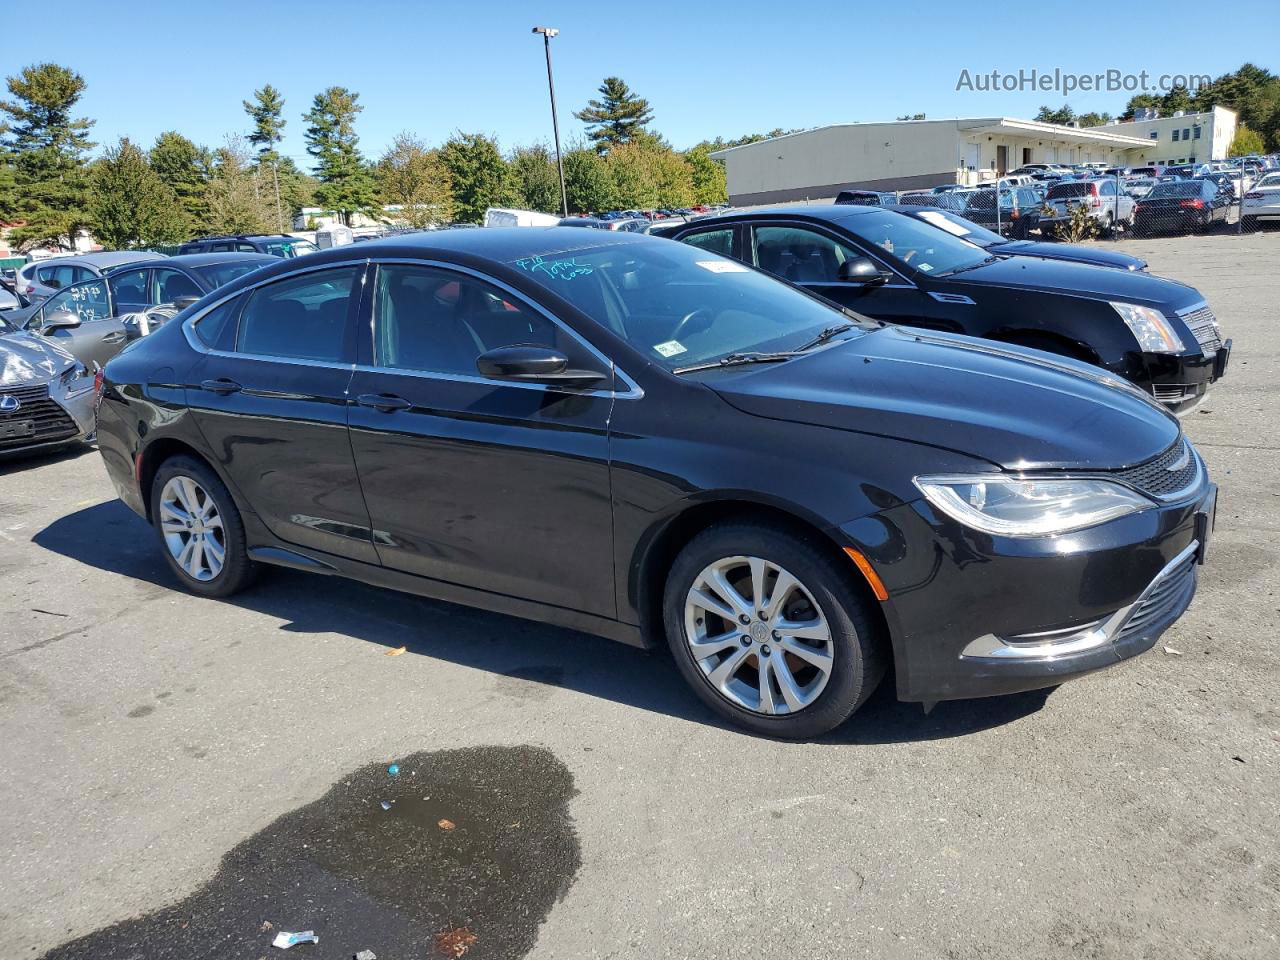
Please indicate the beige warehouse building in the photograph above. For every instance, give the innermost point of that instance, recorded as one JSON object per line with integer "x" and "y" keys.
{"x": 913, "y": 154}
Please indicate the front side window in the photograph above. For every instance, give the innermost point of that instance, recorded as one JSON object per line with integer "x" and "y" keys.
{"x": 800, "y": 255}
{"x": 172, "y": 284}
{"x": 913, "y": 244}
{"x": 678, "y": 305}
{"x": 440, "y": 322}
{"x": 717, "y": 241}
{"x": 302, "y": 317}
{"x": 89, "y": 301}
{"x": 130, "y": 287}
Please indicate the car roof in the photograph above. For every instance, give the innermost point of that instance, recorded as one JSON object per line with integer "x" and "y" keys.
{"x": 831, "y": 212}
{"x": 108, "y": 258}
{"x": 224, "y": 256}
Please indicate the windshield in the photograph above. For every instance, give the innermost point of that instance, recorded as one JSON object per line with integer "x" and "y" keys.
{"x": 217, "y": 274}
{"x": 958, "y": 226}
{"x": 913, "y": 244}
{"x": 1178, "y": 188}
{"x": 680, "y": 305}
{"x": 286, "y": 247}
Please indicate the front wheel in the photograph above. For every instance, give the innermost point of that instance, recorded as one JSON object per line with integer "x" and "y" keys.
{"x": 201, "y": 533}
{"x": 769, "y": 631}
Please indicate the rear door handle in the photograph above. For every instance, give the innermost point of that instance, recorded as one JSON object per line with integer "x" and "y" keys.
{"x": 220, "y": 386}
{"x": 386, "y": 402}
{"x": 113, "y": 337}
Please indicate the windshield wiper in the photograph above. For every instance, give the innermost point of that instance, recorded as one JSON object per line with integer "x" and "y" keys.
{"x": 972, "y": 266}
{"x": 826, "y": 335}
{"x": 738, "y": 359}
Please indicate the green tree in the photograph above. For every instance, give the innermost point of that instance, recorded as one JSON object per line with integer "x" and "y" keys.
{"x": 346, "y": 184}
{"x": 237, "y": 202}
{"x": 130, "y": 204}
{"x": 588, "y": 182}
{"x": 46, "y": 146}
{"x": 1095, "y": 119}
{"x": 1245, "y": 143}
{"x": 1063, "y": 115}
{"x": 647, "y": 175}
{"x": 616, "y": 117}
{"x": 1179, "y": 98}
{"x": 481, "y": 177}
{"x": 535, "y": 180}
{"x": 266, "y": 110}
{"x": 1140, "y": 101}
{"x": 912, "y": 116}
{"x": 185, "y": 169}
{"x": 708, "y": 176}
{"x": 414, "y": 178}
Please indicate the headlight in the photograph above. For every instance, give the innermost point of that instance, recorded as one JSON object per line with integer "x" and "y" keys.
{"x": 1150, "y": 327}
{"x": 1013, "y": 507}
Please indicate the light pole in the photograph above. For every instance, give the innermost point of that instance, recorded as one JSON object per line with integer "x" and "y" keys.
{"x": 547, "y": 34}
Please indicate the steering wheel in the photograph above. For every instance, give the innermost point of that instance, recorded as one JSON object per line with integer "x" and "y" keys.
{"x": 687, "y": 320}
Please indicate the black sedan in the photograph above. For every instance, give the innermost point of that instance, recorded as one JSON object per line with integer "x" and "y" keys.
{"x": 1181, "y": 206}
{"x": 649, "y": 441}
{"x": 992, "y": 242}
{"x": 1154, "y": 332}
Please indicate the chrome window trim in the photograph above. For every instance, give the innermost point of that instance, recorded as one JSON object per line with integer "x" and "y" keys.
{"x": 633, "y": 392}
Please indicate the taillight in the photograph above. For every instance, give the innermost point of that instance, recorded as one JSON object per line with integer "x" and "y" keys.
{"x": 1193, "y": 204}
{"x": 30, "y": 290}
{"x": 98, "y": 381}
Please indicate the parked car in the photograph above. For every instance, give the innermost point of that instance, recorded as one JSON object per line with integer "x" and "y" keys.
{"x": 1181, "y": 206}
{"x": 46, "y": 395}
{"x": 658, "y": 444}
{"x": 277, "y": 245}
{"x": 1139, "y": 187}
{"x": 992, "y": 242}
{"x": 1156, "y": 333}
{"x": 866, "y": 198}
{"x": 1019, "y": 212}
{"x": 43, "y": 278}
{"x": 1110, "y": 207}
{"x": 1262, "y": 202}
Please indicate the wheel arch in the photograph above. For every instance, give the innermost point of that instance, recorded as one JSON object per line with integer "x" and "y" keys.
{"x": 1051, "y": 341}
{"x": 155, "y": 453}
{"x": 654, "y": 558}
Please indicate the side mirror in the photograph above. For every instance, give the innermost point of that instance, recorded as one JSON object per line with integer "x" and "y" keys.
{"x": 860, "y": 270}
{"x": 533, "y": 365}
{"x": 182, "y": 303}
{"x": 60, "y": 320}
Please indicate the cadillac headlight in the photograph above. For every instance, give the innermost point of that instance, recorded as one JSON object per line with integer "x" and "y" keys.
{"x": 1014, "y": 507}
{"x": 1150, "y": 327}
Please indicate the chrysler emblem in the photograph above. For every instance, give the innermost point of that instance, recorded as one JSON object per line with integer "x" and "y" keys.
{"x": 9, "y": 404}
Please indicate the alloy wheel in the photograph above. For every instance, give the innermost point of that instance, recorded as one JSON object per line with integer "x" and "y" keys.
{"x": 192, "y": 528}
{"x": 758, "y": 636}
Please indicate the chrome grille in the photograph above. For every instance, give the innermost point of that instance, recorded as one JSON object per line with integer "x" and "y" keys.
{"x": 1157, "y": 479}
{"x": 51, "y": 422}
{"x": 1167, "y": 596}
{"x": 1204, "y": 327}
{"x": 1172, "y": 392}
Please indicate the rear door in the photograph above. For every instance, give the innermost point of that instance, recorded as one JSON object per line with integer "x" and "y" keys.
{"x": 99, "y": 335}
{"x": 489, "y": 484}
{"x": 270, "y": 397}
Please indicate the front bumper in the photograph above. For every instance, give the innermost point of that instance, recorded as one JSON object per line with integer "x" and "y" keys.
{"x": 47, "y": 416}
{"x": 974, "y": 615}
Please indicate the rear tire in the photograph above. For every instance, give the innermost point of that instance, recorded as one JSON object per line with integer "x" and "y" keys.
{"x": 815, "y": 677}
{"x": 199, "y": 528}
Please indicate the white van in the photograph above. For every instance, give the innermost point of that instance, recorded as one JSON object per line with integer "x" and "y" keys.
{"x": 502, "y": 217}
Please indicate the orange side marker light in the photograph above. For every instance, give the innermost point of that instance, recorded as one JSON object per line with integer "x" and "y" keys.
{"x": 868, "y": 571}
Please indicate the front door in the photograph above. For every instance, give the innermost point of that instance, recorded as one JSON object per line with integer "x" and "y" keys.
{"x": 98, "y": 337}
{"x": 272, "y": 407}
{"x": 493, "y": 485}
{"x": 1002, "y": 159}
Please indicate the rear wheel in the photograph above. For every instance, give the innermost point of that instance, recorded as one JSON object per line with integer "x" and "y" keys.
{"x": 200, "y": 530}
{"x": 769, "y": 631}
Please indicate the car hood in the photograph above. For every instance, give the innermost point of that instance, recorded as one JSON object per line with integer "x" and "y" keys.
{"x": 1073, "y": 252}
{"x": 1079, "y": 279}
{"x": 1020, "y": 409}
{"x": 27, "y": 359}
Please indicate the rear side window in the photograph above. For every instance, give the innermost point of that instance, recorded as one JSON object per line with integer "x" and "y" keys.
{"x": 717, "y": 241}
{"x": 213, "y": 327}
{"x": 303, "y": 317}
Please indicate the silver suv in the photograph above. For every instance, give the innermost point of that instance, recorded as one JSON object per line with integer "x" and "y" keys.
{"x": 42, "y": 279}
{"x": 1109, "y": 205}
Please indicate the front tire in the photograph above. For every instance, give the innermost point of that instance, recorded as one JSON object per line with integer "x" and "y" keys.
{"x": 769, "y": 631}
{"x": 200, "y": 530}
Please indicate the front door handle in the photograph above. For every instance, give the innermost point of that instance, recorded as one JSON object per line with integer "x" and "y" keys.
{"x": 113, "y": 337}
{"x": 386, "y": 402}
{"x": 221, "y": 386}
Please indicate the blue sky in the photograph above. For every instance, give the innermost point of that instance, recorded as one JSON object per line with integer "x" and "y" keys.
{"x": 707, "y": 68}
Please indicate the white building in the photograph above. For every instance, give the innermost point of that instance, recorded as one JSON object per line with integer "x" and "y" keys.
{"x": 1183, "y": 137}
{"x": 912, "y": 154}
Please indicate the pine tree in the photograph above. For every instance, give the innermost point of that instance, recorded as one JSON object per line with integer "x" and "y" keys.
{"x": 617, "y": 117}
{"x": 46, "y": 146}
{"x": 266, "y": 111}
{"x": 185, "y": 169}
{"x": 481, "y": 178}
{"x": 130, "y": 204}
{"x": 346, "y": 185}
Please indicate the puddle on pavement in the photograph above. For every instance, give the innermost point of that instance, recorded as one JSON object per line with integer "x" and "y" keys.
{"x": 391, "y": 881}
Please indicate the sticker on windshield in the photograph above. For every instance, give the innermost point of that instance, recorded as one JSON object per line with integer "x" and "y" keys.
{"x": 926, "y": 267}
{"x": 565, "y": 269}
{"x": 671, "y": 348}
{"x": 942, "y": 223}
{"x": 721, "y": 266}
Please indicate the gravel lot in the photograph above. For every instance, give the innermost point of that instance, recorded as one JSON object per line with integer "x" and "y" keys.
{"x": 148, "y": 734}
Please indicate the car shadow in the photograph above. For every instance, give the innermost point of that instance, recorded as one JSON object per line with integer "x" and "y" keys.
{"x": 19, "y": 461}
{"x": 111, "y": 537}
